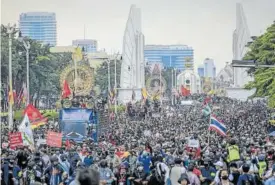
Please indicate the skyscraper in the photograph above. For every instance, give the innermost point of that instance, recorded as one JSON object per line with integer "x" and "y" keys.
{"x": 39, "y": 26}
{"x": 176, "y": 56}
{"x": 209, "y": 68}
{"x": 89, "y": 45}
{"x": 201, "y": 70}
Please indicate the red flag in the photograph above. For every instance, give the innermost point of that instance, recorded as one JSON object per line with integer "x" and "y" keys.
{"x": 32, "y": 113}
{"x": 184, "y": 91}
{"x": 35, "y": 116}
{"x": 66, "y": 90}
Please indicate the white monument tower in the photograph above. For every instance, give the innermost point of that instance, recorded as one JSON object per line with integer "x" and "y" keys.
{"x": 241, "y": 37}
{"x": 132, "y": 77}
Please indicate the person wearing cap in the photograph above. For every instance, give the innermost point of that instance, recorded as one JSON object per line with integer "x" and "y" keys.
{"x": 219, "y": 166}
{"x": 183, "y": 180}
{"x": 208, "y": 173}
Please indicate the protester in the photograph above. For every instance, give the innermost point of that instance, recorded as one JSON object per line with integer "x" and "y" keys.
{"x": 155, "y": 148}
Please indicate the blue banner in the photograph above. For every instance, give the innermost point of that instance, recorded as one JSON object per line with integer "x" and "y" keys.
{"x": 76, "y": 115}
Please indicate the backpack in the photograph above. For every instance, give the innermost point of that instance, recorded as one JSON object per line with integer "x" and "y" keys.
{"x": 160, "y": 177}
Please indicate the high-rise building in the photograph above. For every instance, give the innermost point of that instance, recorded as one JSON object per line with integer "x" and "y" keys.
{"x": 39, "y": 26}
{"x": 89, "y": 45}
{"x": 201, "y": 70}
{"x": 209, "y": 68}
{"x": 132, "y": 77}
{"x": 177, "y": 56}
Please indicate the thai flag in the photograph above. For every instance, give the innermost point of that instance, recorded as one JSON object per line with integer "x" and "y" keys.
{"x": 217, "y": 126}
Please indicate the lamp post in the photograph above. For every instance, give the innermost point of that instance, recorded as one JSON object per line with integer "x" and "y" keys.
{"x": 27, "y": 48}
{"x": 172, "y": 86}
{"x": 115, "y": 90}
{"x": 115, "y": 84}
{"x": 10, "y": 31}
{"x": 109, "y": 82}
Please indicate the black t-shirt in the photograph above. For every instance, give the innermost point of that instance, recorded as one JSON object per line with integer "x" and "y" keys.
{"x": 236, "y": 176}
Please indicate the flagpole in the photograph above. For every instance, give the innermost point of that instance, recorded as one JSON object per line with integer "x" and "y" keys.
{"x": 115, "y": 89}
{"x": 109, "y": 83}
{"x": 75, "y": 75}
{"x": 172, "y": 72}
{"x": 10, "y": 30}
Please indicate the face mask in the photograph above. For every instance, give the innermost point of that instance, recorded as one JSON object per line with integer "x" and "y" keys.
{"x": 55, "y": 163}
{"x": 225, "y": 177}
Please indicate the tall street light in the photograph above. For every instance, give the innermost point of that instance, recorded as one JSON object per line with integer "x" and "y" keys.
{"x": 116, "y": 82}
{"x": 10, "y": 31}
{"x": 27, "y": 48}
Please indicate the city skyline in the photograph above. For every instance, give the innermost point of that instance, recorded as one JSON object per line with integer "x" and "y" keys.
{"x": 177, "y": 56}
{"x": 40, "y": 26}
{"x": 207, "y": 26}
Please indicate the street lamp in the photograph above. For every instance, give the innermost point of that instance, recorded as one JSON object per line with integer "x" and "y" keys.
{"x": 10, "y": 31}
{"x": 116, "y": 83}
{"x": 27, "y": 48}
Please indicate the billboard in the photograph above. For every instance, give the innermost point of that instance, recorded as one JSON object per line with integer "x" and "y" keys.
{"x": 76, "y": 115}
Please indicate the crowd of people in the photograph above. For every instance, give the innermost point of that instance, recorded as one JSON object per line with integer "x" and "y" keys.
{"x": 169, "y": 147}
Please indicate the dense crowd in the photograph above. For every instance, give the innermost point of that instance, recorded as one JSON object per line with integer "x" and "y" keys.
{"x": 157, "y": 149}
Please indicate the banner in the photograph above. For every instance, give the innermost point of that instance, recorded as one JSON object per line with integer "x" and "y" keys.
{"x": 15, "y": 140}
{"x": 193, "y": 143}
{"x": 54, "y": 139}
{"x": 76, "y": 115}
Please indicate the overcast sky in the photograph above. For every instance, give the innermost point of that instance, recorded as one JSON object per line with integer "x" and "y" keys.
{"x": 206, "y": 25}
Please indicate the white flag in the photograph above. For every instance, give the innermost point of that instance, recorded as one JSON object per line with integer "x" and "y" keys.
{"x": 25, "y": 129}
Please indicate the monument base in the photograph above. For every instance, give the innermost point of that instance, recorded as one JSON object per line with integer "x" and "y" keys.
{"x": 125, "y": 95}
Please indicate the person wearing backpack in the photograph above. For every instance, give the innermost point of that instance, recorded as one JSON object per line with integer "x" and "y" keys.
{"x": 245, "y": 178}
{"x": 160, "y": 173}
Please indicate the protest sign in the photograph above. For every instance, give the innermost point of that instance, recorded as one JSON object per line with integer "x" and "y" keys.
{"x": 54, "y": 139}
{"x": 193, "y": 143}
{"x": 15, "y": 139}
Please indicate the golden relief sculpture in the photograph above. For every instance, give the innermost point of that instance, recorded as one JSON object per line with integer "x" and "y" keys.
{"x": 155, "y": 85}
{"x": 84, "y": 81}
{"x": 207, "y": 85}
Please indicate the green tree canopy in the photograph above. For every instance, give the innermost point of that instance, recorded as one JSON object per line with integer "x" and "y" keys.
{"x": 101, "y": 76}
{"x": 262, "y": 51}
{"x": 45, "y": 67}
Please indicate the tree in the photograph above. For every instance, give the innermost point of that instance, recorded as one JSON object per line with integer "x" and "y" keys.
{"x": 101, "y": 76}
{"x": 44, "y": 67}
{"x": 262, "y": 51}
